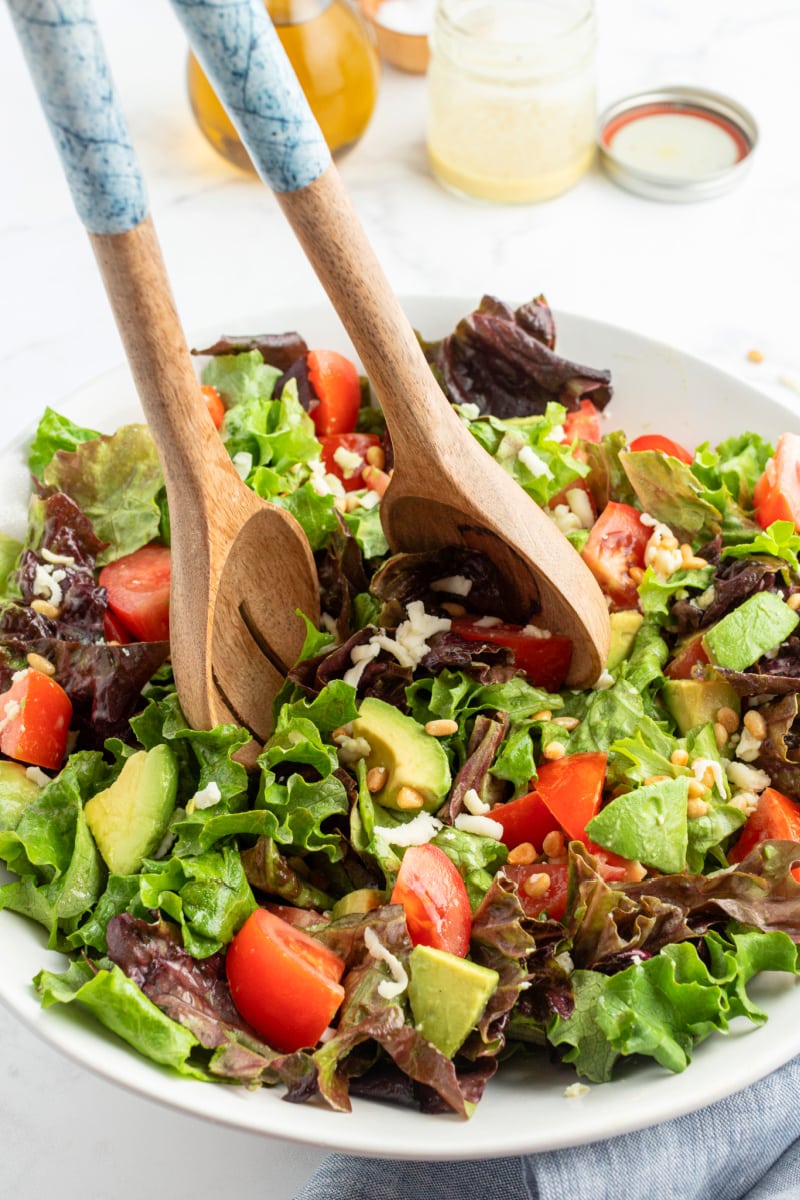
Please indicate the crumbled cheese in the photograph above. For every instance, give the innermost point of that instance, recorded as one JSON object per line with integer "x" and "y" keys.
{"x": 470, "y": 412}
{"x": 64, "y": 560}
{"x": 648, "y": 520}
{"x": 533, "y": 463}
{"x": 749, "y": 779}
{"x": 207, "y": 797}
{"x": 368, "y": 499}
{"x": 59, "y": 575}
{"x": 474, "y": 804}
{"x": 243, "y": 462}
{"x": 45, "y": 586}
{"x": 483, "y": 826}
{"x": 604, "y": 680}
{"x": 416, "y": 832}
{"x": 701, "y": 765}
{"x": 399, "y": 982}
{"x": 510, "y": 445}
{"x": 457, "y": 585}
{"x": 360, "y": 656}
{"x": 348, "y": 460}
{"x": 535, "y": 631}
{"x": 487, "y": 622}
{"x": 564, "y": 518}
{"x": 11, "y": 711}
{"x": 352, "y": 749}
{"x": 37, "y": 775}
{"x": 409, "y": 644}
{"x": 749, "y": 747}
{"x": 581, "y": 506}
{"x": 664, "y": 560}
{"x": 576, "y": 1090}
{"x": 323, "y": 483}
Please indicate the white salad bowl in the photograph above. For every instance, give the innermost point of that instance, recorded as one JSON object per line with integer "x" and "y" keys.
{"x": 525, "y": 1108}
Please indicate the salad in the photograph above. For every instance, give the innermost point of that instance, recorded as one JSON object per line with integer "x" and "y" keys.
{"x": 445, "y": 858}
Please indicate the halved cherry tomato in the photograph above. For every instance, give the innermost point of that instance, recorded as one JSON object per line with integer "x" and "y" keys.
{"x": 657, "y": 441}
{"x": 35, "y": 714}
{"x": 376, "y": 479}
{"x": 777, "y": 494}
{"x": 283, "y": 981}
{"x": 114, "y": 630}
{"x": 138, "y": 591}
{"x": 216, "y": 408}
{"x": 335, "y": 383}
{"x": 572, "y": 788}
{"x": 526, "y": 819}
{"x": 345, "y": 445}
{"x": 689, "y": 661}
{"x": 617, "y": 542}
{"x": 545, "y": 660}
{"x": 583, "y": 423}
{"x": 775, "y": 817}
{"x": 430, "y": 888}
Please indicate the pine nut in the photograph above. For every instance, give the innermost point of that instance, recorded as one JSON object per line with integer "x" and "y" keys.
{"x": 567, "y": 723}
{"x": 655, "y": 779}
{"x": 441, "y": 728}
{"x": 536, "y": 885}
{"x": 453, "y": 610}
{"x": 544, "y": 714}
{"x": 697, "y": 808}
{"x": 728, "y": 717}
{"x": 376, "y": 778}
{"x": 522, "y": 855}
{"x": 679, "y": 757}
{"x": 696, "y": 789}
{"x": 636, "y": 574}
{"x": 554, "y": 845}
{"x": 720, "y": 734}
{"x": 553, "y": 751}
{"x": 695, "y": 563}
{"x": 663, "y": 563}
{"x": 755, "y": 356}
{"x": 686, "y": 551}
{"x": 708, "y": 778}
{"x": 755, "y": 724}
{"x": 42, "y": 665}
{"x": 669, "y": 542}
{"x": 634, "y": 872}
{"x": 376, "y": 457}
{"x": 408, "y": 799}
{"x": 46, "y": 609}
{"x": 793, "y": 601}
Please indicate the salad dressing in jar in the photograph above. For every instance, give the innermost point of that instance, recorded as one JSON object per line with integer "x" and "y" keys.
{"x": 336, "y": 62}
{"x": 511, "y": 97}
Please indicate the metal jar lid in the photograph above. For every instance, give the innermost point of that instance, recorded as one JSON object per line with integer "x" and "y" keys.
{"x": 677, "y": 143}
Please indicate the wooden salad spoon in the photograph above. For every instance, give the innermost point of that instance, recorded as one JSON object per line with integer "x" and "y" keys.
{"x": 445, "y": 490}
{"x": 241, "y": 567}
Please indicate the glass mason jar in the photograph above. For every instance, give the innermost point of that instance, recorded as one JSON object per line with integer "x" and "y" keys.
{"x": 511, "y": 97}
{"x": 336, "y": 61}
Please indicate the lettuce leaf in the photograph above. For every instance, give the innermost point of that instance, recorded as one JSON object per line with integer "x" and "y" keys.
{"x": 53, "y": 433}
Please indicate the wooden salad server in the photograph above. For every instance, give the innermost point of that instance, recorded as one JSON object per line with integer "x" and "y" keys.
{"x": 445, "y": 490}
{"x": 241, "y": 568}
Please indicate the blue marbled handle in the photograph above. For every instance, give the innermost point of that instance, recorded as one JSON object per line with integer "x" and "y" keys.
{"x": 242, "y": 55}
{"x": 65, "y": 56}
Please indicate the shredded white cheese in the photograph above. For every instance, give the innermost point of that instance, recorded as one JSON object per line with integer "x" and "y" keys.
{"x": 565, "y": 519}
{"x": 457, "y": 585}
{"x": 348, "y": 460}
{"x": 487, "y": 622}
{"x": 368, "y": 499}
{"x": 701, "y": 765}
{"x": 483, "y": 826}
{"x": 243, "y": 462}
{"x": 409, "y": 645}
{"x": 533, "y": 463}
{"x": 581, "y": 507}
{"x": 474, "y": 804}
{"x": 37, "y": 775}
{"x": 576, "y": 1090}
{"x": 748, "y": 747}
{"x": 749, "y": 779}
{"x": 45, "y": 586}
{"x": 399, "y": 981}
{"x": 207, "y": 797}
{"x": 63, "y": 560}
{"x": 416, "y": 832}
{"x": 604, "y": 680}
{"x": 535, "y": 631}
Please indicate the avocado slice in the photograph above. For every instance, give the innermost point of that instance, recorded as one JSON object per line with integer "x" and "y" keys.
{"x": 624, "y": 627}
{"x": 447, "y": 995}
{"x": 362, "y": 900}
{"x": 693, "y": 702}
{"x": 648, "y": 824}
{"x": 759, "y": 624}
{"x": 412, "y": 757}
{"x": 17, "y": 791}
{"x": 129, "y": 819}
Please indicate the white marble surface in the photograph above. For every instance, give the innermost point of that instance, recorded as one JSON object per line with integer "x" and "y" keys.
{"x": 716, "y": 279}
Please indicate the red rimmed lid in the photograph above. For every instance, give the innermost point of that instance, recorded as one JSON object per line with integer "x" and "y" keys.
{"x": 677, "y": 143}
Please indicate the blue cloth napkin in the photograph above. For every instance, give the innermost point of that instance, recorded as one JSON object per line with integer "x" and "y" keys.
{"x": 746, "y": 1147}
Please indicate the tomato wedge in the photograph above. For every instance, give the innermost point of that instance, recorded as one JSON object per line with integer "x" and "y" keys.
{"x": 545, "y": 660}
{"x": 777, "y": 494}
{"x": 138, "y": 592}
{"x": 214, "y": 404}
{"x": 340, "y": 452}
{"x": 657, "y": 441}
{"x": 572, "y": 788}
{"x": 583, "y": 423}
{"x": 617, "y": 542}
{"x": 776, "y": 817}
{"x": 283, "y": 981}
{"x": 690, "y": 660}
{"x": 430, "y": 888}
{"x": 526, "y": 819}
{"x": 337, "y": 388}
{"x": 35, "y": 715}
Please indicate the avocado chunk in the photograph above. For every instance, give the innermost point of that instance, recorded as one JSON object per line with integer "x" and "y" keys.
{"x": 447, "y": 995}
{"x": 17, "y": 791}
{"x": 624, "y": 627}
{"x": 128, "y": 820}
{"x": 363, "y": 900}
{"x": 648, "y": 824}
{"x": 693, "y": 702}
{"x": 758, "y": 625}
{"x": 413, "y": 758}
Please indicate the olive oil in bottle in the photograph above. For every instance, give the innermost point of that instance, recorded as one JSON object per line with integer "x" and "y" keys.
{"x": 335, "y": 60}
